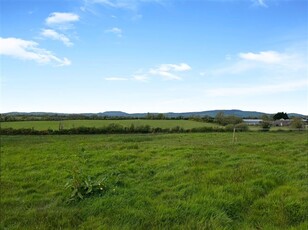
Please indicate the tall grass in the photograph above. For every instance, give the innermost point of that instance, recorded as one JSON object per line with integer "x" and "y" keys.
{"x": 175, "y": 181}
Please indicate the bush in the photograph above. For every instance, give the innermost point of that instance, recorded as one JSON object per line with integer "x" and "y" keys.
{"x": 241, "y": 127}
{"x": 229, "y": 128}
{"x": 176, "y": 129}
{"x": 225, "y": 120}
{"x": 266, "y": 125}
{"x": 297, "y": 123}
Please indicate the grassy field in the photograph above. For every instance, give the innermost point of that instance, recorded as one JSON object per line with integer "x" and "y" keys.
{"x": 169, "y": 181}
{"x": 67, "y": 124}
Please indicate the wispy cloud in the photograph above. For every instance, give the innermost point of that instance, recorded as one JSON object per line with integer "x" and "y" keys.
{"x": 54, "y": 35}
{"x": 260, "y": 3}
{"x": 126, "y": 4}
{"x": 269, "y": 57}
{"x": 134, "y": 4}
{"x": 258, "y": 74}
{"x": 116, "y": 79}
{"x": 168, "y": 71}
{"x": 272, "y": 61}
{"x": 258, "y": 89}
{"x": 61, "y": 20}
{"x": 115, "y": 30}
{"x": 29, "y": 50}
{"x": 142, "y": 78}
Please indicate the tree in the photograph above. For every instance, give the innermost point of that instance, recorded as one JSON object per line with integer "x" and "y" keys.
{"x": 160, "y": 116}
{"x": 266, "y": 125}
{"x": 281, "y": 115}
{"x": 297, "y": 123}
{"x": 265, "y": 117}
{"x": 233, "y": 120}
{"x": 221, "y": 119}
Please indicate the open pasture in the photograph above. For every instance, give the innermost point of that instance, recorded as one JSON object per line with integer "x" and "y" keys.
{"x": 157, "y": 181}
{"x": 67, "y": 124}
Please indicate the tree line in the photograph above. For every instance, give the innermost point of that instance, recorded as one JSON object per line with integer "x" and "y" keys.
{"x": 60, "y": 117}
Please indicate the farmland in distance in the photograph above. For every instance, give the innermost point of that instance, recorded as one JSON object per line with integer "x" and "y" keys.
{"x": 67, "y": 124}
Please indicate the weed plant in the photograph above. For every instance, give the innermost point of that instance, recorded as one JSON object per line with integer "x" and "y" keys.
{"x": 81, "y": 184}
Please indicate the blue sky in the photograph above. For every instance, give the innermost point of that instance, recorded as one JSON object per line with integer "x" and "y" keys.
{"x": 80, "y": 56}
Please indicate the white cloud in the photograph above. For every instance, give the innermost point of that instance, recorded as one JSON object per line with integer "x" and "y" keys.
{"x": 255, "y": 75}
{"x": 167, "y": 71}
{"x": 116, "y": 79}
{"x": 61, "y": 20}
{"x": 165, "y": 75}
{"x": 140, "y": 78}
{"x": 266, "y": 61}
{"x": 52, "y": 34}
{"x": 115, "y": 30}
{"x": 28, "y": 50}
{"x": 174, "y": 67}
{"x": 269, "y": 57}
{"x": 258, "y": 90}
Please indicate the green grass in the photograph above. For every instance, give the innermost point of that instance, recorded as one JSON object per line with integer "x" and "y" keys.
{"x": 273, "y": 128}
{"x": 67, "y": 124}
{"x": 170, "y": 181}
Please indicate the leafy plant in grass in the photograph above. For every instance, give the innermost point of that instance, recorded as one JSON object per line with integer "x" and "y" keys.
{"x": 82, "y": 185}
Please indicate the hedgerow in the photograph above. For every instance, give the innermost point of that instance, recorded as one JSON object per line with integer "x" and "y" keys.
{"x": 110, "y": 129}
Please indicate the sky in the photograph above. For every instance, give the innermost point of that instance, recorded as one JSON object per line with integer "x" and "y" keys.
{"x": 82, "y": 56}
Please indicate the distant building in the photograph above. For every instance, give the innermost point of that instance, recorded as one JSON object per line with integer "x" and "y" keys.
{"x": 252, "y": 121}
{"x": 282, "y": 122}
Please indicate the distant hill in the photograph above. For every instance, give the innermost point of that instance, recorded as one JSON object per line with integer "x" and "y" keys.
{"x": 210, "y": 113}
{"x": 296, "y": 115}
{"x": 213, "y": 113}
{"x": 113, "y": 114}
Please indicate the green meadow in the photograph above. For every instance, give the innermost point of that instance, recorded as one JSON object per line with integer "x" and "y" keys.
{"x": 67, "y": 124}
{"x": 157, "y": 181}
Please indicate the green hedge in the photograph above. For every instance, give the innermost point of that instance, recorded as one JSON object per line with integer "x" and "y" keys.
{"x": 110, "y": 129}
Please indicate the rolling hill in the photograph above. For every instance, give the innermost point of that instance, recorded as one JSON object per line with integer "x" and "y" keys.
{"x": 209, "y": 113}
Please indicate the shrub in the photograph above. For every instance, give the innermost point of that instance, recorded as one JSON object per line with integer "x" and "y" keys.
{"x": 297, "y": 123}
{"x": 176, "y": 129}
{"x": 241, "y": 127}
{"x": 266, "y": 125}
{"x": 229, "y": 128}
{"x": 225, "y": 120}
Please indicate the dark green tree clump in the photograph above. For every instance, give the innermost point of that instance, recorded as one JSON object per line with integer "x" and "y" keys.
{"x": 281, "y": 115}
{"x": 153, "y": 116}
